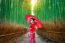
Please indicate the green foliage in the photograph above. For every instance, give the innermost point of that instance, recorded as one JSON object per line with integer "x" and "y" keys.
{"x": 14, "y": 11}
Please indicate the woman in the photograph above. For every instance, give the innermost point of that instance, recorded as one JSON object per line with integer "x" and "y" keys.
{"x": 34, "y": 24}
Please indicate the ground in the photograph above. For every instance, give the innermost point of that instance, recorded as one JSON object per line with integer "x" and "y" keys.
{"x": 25, "y": 39}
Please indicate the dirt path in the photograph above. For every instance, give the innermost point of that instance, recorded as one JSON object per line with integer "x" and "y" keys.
{"x": 25, "y": 39}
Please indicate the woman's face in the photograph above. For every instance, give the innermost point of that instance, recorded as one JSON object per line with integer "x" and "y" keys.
{"x": 32, "y": 21}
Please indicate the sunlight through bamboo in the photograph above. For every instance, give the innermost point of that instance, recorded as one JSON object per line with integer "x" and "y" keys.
{"x": 32, "y": 9}
{"x": 33, "y": 3}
